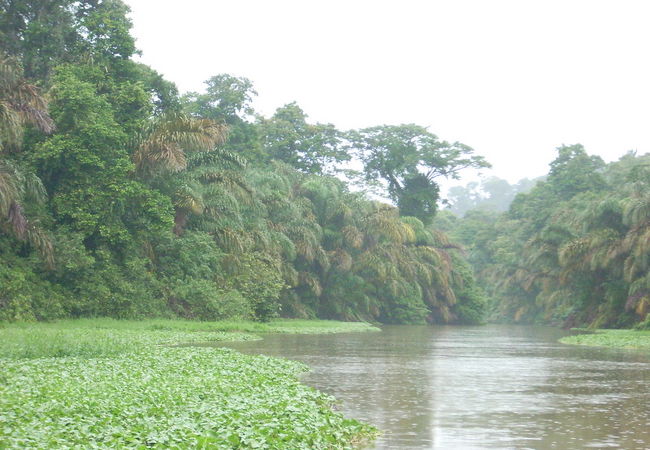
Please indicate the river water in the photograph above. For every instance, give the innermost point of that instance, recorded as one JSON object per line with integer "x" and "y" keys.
{"x": 478, "y": 387}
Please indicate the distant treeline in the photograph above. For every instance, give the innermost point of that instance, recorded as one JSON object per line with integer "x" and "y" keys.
{"x": 488, "y": 194}
{"x": 573, "y": 251}
{"x": 120, "y": 197}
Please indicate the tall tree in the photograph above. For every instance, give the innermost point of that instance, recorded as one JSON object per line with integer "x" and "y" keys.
{"x": 574, "y": 171}
{"x": 310, "y": 148}
{"x": 49, "y": 33}
{"x": 86, "y": 168}
{"x": 228, "y": 99}
{"x": 408, "y": 159}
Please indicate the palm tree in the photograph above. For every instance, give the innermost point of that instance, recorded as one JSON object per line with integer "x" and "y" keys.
{"x": 20, "y": 105}
{"x": 163, "y": 145}
{"x": 176, "y": 142}
{"x": 211, "y": 188}
{"x": 17, "y": 187}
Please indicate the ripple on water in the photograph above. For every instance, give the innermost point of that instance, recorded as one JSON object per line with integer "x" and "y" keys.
{"x": 479, "y": 387}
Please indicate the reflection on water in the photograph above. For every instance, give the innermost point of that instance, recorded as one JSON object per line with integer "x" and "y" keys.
{"x": 477, "y": 387}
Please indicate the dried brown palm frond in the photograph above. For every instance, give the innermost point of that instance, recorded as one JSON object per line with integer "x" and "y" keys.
{"x": 15, "y": 187}
{"x": 164, "y": 143}
{"x": 312, "y": 282}
{"x": 340, "y": 259}
{"x": 384, "y": 224}
{"x": 232, "y": 241}
{"x": 21, "y": 104}
{"x": 353, "y": 237}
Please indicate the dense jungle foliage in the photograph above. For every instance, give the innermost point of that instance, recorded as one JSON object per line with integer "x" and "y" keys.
{"x": 120, "y": 197}
{"x": 573, "y": 251}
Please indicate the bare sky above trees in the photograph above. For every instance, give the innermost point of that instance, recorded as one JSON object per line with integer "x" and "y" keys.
{"x": 512, "y": 78}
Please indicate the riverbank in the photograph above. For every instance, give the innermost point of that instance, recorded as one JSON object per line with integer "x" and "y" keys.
{"x": 632, "y": 339}
{"x": 110, "y": 383}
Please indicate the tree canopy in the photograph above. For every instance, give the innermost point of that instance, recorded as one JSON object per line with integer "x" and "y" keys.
{"x": 121, "y": 198}
{"x": 571, "y": 251}
{"x": 407, "y": 159}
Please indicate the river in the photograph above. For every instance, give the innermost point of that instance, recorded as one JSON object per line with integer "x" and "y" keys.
{"x": 478, "y": 387}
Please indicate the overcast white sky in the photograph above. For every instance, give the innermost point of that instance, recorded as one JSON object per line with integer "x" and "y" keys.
{"x": 512, "y": 78}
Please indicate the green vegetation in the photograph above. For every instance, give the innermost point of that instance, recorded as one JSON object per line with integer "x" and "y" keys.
{"x": 633, "y": 339}
{"x": 121, "y": 198}
{"x": 106, "y": 383}
{"x": 223, "y": 330}
{"x": 573, "y": 251}
{"x": 408, "y": 159}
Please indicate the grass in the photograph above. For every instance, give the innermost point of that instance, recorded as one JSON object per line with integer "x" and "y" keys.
{"x": 116, "y": 384}
{"x": 245, "y": 326}
{"x": 109, "y": 337}
{"x": 632, "y": 339}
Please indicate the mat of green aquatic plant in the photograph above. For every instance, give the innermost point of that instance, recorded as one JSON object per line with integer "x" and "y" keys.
{"x": 633, "y": 339}
{"x": 247, "y": 326}
{"x": 125, "y": 386}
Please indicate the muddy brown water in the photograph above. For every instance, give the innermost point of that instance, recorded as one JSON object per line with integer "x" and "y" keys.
{"x": 478, "y": 387}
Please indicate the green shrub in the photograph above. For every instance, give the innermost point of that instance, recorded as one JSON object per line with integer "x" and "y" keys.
{"x": 405, "y": 306}
{"x": 25, "y": 294}
{"x": 258, "y": 278}
{"x": 201, "y": 299}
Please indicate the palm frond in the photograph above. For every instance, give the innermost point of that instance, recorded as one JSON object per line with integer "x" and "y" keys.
{"x": 165, "y": 141}
{"x": 21, "y": 104}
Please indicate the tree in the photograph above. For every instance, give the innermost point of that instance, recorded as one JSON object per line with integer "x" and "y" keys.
{"x": 86, "y": 169}
{"x": 38, "y": 32}
{"x": 310, "y": 148}
{"x": 574, "y": 250}
{"x": 162, "y": 145}
{"x": 154, "y": 211}
{"x": 164, "y": 93}
{"x": 408, "y": 159}
{"x": 574, "y": 171}
{"x": 178, "y": 143}
{"x": 210, "y": 190}
{"x": 462, "y": 199}
{"x": 20, "y": 105}
{"x": 228, "y": 100}
{"x": 45, "y": 34}
{"x": 490, "y": 194}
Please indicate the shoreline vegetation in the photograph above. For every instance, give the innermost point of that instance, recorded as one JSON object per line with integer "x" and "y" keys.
{"x": 110, "y": 383}
{"x": 625, "y": 339}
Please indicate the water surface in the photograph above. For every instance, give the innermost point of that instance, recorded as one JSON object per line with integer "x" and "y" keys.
{"x": 478, "y": 387}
